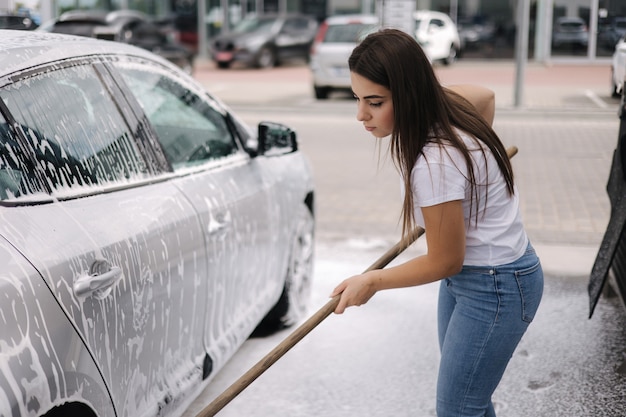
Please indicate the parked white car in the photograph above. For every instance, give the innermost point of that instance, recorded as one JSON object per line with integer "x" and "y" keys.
{"x": 438, "y": 35}
{"x": 618, "y": 68}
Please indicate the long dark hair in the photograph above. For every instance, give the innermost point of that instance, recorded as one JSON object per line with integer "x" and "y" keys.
{"x": 424, "y": 111}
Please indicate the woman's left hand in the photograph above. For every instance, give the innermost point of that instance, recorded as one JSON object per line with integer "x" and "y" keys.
{"x": 355, "y": 291}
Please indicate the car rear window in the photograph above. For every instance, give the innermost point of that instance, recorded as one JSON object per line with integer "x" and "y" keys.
{"x": 78, "y": 27}
{"x": 571, "y": 25}
{"x": 260, "y": 25}
{"x": 15, "y": 22}
{"x": 348, "y": 33}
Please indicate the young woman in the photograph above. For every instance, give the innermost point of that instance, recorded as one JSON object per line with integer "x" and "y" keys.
{"x": 458, "y": 184}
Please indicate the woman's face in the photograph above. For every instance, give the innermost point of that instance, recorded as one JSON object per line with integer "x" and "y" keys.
{"x": 374, "y": 105}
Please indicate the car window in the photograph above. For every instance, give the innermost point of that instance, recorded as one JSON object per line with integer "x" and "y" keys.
{"x": 437, "y": 23}
{"x": 350, "y": 33}
{"x": 78, "y": 27}
{"x": 295, "y": 25}
{"x": 74, "y": 130}
{"x": 17, "y": 173}
{"x": 189, "y": 129}
{"x": 255, "y": 24}
{"x": 145, "y": 34}
{"x": 571, "y": 25}
{"x": 15, "y": 22}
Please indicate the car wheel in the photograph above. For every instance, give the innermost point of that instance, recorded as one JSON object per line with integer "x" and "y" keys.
{"x": 223, "y": 65}
{"x": 294, "y": 299}
{"x": 452, "y": 54}
{"x": 321, "y": 93}
{"x": 266, "y": 58}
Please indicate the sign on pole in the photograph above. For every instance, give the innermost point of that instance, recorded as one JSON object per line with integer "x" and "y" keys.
{"x": 398, "y": 14}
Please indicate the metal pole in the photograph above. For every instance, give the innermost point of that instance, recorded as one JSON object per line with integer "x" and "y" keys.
{"x": 521, "y": 49}
{"x": 202, "y": 34}
{"x": 454, "y": 11}
{"x": 593, "y": 30}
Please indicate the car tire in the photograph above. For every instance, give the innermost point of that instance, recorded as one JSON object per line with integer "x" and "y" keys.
{"x": 452, "y": 55}
{"x": 223, "y": 65}
{"x": 294, "y": 299}
{"x": 321, "y": 93}
{"x": 266, "y": 58}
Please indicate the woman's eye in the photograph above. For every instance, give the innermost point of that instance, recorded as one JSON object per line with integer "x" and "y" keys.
{"x": 376, "y": 104}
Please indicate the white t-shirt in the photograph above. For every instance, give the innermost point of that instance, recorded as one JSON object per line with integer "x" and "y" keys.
{"x": 496, "y": 236}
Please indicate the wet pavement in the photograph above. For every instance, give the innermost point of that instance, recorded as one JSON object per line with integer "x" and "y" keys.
{"x": 381, "y": 359}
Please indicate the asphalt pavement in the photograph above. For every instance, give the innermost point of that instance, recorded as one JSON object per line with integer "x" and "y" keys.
{"x": 565, "y": 128}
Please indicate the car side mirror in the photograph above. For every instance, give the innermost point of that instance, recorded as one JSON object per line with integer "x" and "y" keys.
{"x": 275, "y": 139}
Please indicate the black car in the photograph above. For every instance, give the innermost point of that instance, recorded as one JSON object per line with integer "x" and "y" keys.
{"x": 17, "y": 22}
{"x": 127, "y": 26}
{"x": 263, "y": 41}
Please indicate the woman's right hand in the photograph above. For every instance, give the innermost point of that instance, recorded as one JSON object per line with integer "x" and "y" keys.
{"x": 355, "y": 291}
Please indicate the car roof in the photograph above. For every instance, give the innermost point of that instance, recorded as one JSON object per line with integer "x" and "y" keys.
{"x": 352, "y": 18}
{"x": 20, "y": 50}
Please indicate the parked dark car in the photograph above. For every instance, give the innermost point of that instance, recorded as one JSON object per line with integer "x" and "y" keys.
{"x": 615, "y": 31}
{"x": 146, "y": 230}
{"x": 263, "y": 41}
{"x": 476, "y": 31}
{"x": 127, "y": 26}
{"x": 17, "y": 22}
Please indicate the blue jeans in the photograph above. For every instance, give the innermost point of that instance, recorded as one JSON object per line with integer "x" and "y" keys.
{"x": 482, "y": 314}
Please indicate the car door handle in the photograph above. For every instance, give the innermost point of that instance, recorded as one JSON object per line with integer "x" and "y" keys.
{"x": 98, "y": 281}
{"x": 219, "y": 223}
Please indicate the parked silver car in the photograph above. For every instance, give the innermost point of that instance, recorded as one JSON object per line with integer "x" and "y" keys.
{"x": 333, "y": 44}
{"x": 146, "y": 230}
{"x": 338, "y": 36}
{"x": 570, "y": 32}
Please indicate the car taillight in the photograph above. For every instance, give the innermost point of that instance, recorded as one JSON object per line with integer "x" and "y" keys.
{"x": 319, "y": 37}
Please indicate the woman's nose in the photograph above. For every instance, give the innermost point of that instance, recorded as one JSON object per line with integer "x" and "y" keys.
{"x": 361, "y": 113}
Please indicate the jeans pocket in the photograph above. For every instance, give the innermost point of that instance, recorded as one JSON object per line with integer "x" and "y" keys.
{"x": 530, "y": 285}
